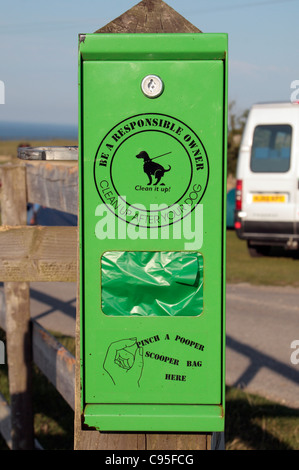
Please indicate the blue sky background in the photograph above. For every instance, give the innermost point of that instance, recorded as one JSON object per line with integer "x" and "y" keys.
{"x": 39, "y": 44}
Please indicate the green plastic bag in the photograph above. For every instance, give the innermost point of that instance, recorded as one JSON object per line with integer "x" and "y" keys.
{"x": 152, "y": 283}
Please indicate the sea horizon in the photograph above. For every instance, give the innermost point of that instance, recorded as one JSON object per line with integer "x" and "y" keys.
{"x": 37, "y": 131}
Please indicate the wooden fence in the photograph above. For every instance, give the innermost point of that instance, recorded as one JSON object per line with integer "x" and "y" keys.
{"x": 39, "y": 253}
{"x": 33, "y": 253}
{"x": 27, "y": 254}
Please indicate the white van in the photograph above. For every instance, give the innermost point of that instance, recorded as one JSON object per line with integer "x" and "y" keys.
{"x": 267, "y": 188}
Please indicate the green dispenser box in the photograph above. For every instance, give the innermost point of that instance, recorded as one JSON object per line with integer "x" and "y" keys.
{"x": 152, "y": 184}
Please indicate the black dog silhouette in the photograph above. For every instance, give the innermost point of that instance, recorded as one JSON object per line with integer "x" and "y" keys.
{"x": 152, "y": 168}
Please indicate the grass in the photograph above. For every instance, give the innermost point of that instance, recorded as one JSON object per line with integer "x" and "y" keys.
{"x": 252, "y": 422}
{"x": 280, "y": 268}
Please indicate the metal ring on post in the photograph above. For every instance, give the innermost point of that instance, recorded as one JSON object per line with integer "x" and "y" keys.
{"x": 48, "y": 153}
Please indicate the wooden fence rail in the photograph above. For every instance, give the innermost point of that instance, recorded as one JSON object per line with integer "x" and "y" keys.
{"x": 55, "y": 362}
{"x": 52, "y": 359}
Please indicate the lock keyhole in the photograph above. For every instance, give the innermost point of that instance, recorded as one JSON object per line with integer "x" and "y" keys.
{"x": 152, "y": 86}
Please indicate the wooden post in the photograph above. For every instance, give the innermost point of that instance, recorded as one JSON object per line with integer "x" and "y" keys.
{"x": 17, "y": 298}
{"x": 148, "y": 16}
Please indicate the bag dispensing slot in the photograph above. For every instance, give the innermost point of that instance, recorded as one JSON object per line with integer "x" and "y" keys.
{"x": 152, "y": 283}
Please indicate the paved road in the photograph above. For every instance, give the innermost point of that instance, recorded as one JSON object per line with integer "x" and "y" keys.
{"x": 261, "y": 324}
{"x": 53, "y": 304}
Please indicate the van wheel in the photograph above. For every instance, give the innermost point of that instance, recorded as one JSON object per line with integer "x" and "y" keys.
{"x": 256, "y": 251}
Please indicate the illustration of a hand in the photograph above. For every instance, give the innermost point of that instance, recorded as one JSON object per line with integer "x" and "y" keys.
{"x": 124, "y": 362}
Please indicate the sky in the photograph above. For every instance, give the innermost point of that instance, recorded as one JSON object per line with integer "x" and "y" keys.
{"x": 39, "y": 50}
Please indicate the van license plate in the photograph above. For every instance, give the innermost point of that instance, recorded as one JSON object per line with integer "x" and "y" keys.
{"x": 268, "y": 198}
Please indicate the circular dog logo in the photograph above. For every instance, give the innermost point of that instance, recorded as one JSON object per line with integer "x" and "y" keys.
{"x": 151, "y": 170}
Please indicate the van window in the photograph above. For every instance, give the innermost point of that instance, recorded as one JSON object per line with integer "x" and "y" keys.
{"x": 271, "y": 149}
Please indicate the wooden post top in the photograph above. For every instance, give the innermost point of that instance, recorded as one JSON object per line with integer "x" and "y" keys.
{"x": 150, "y": 16}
